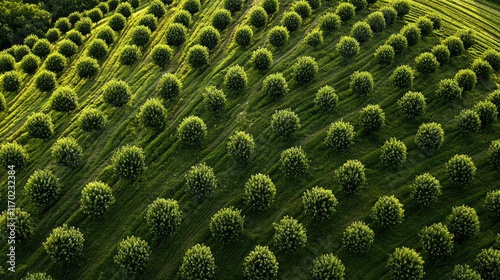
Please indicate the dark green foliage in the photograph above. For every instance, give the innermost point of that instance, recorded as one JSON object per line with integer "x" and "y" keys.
{"x": 152, "y": 114}
{"x": 455, "y": 45}
{"x": 104, "y": 7}
{"x": 3, "y": 104}
{"x": 84, "y": 26}
{"x": 13, "y": 154}
{"x": 294, "y": 162}
{"x": 157, "y": 9}
{"x": 169, "y": 86}
{"x": 285, "y": 123}
{"x": 429, "y": 137}
{"x": 442, "y": 53}
{"x": 20, "y": 51}
{"x": 209, "y": 37}
{"x": 129, "y": 55}
{"x": 350, "y": 176}
{"x": 493, "y": 58}
{"x": 449, "y": 89}
{"x": 348, "y": 47}
{"x": 488, "y": 263}
{"x": 466, "y": 79}
{"x": 482, "y": 68}
{"x": 426, "y": 63}
{"x": 425, "y": 190}
{"x": 275, "y": 85}
{"x": 11, "y": 81}
{"x": 113, "y": 4}
{"x": 125, "y": 9}
{"x": 372, "y": 118}
{"x": 436, "y": 20}
{"x": 260, "y": 263}
{"x": 191, "y": 130}
{"x": 129, "y": 162}
{"x": 494, "y": 97}
{"x": 289, "y": 235}
{"x": 95, "y": 15}
{"x": 134, "y": 3}
{"x": 67, "y": 152}
{"x": 133, "y": 255}
{"x": 243, "y": 36}
{"x": 361, "y": 31}
{"x": 425, "y": 25}
{"x": 162, "y": 54}
{"x": 358, "y": 237}
{"x": 184, "y": 17}
{"x": 67, "y": 48}
{"x": 45, "y": 80}
{"x": 75, "y": 36}
{"x": 492, "y": 202}
{"x": 261, "y": 59}
{"x": 201, "y": 180}
{"x": 7, "y": 62}
{"x": 467, "y": 36}
{"x": 97, "y": 49}
{"x": 92, "y": 120}
{"x": 405, "y": 264}
{"x": 494, "y": 154}
{"x": 345, "y": 11}
{"x": 402, "y": 7}
{"x": 117, "y": 22}
{"x": 87, "y": 67}
{"x": 412, "y": 33}
{"x": 393, "y": 153}
{"x": 376, "y": 21}
{"x": 241, "y": 147}
{"x": 437, "y": 241}
{"x": 63, "y": 24}
{"x": 302, "y": 8}
{"x": 314, "y": 3}
{"x": 198, "y": 56}
{"x": 326, "y": 99}
{"x": 330, "y": 22}
{"x": 176, "y": 34}
{"x": 64, "y": 244}
{"x": 304, "y": 69}
{"x": 258, "y": 17}
{"x": 278, "y": 36}
{"x": 30, "y": 40}
{"x": 192, "y": 6}
{"x": 221, "y": 19}
{"x": 43, "y": 187}
{"x": 387, "y": 211}
{"x": 464, "y": 272}
{"x": 259, "y": 192}
{"x": 96, "y": 199}
{"x": 359, "y": 4}
{"x": 361, "y": 83}
{"x": 55, "y": 62}
{"x": 215, "y": 100}
{"x": 340, "y": 136}
{"x": 487, "y": 112}
{"x": 164, "y": 216}
{"x": 64, "y": 99}
{"x": 403, "y": 76}
{"x": 463, "y": 222}
{"x": 390, "y": 15}
{"x": 24, "y": 224}
{"x": 198, "y": 264}
{"x": 42, "y": 48}
{"x": 116, "y": 93}
{"x": 327, "y": 266}
{"x": 140, "y": 35}
{"x": 291, "y": 20}
{"x": 227, "y": 224}
{"x": 149, "y": 21}
{"x": 74, "y": 17}
{"x": 107, "y": 34}
{"x": 233, "y": 5}
{"x": 53, "y": 35}
{"x": 235, "y": 78}
{"x": 271, "y": 6}
{"x": 320, "y": 203}
{"x": 398, "y": 42}
{"x": 384, "y": 55}
{"x": 468, "y": 121}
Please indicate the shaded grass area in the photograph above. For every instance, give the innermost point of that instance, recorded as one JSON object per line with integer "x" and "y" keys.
{"x": 250, "y": 110}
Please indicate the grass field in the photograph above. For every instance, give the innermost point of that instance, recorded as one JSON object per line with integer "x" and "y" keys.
{"x": 250, "y": 110}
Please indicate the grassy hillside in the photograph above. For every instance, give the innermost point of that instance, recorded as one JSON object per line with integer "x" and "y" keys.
{"x": 250, "y": 110}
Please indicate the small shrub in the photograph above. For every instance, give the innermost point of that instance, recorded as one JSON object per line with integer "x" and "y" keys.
{"x": 385, "y": 55}
{"x": 97, "y": 49}
{"x": 492, "y": 202}
{"x": 314, "y": 4}
{"x": 209, "y": 37}
{"x": 494, "y": 154}
{"x": 259, "y": 192}
{"x": 140, "y": 36}
{"x": 425, "y": 190}
{"x": 403, "y": 76}
{"x": 11, "y": 81}
{"x": 278, "y": 36}
{"x": 241, "y": 147}
{"x": 449, "y": 89}
{"x": 467, "y": 36}
{"x": 97, "y": 197}
{"x": 455, "y": 45}
{"x": 67, "y": 48}
{"x": 117, "y": 22}
{"x": 125, "y": 9}
{"x": 41, "y": 49}
{"x": 129, "y": 55}
{"x": 493, "y": 58}
{"x": 290, "y": 235}
{"x": 192, "y": 6}
{"x": 236, "y": 78}
{"x": 258, "y": 17}
{"x": 390, "y": 15}
{"x": 291, "y": 20}
{"x": 393, "y": 152}
{"x": 319, "y": 203}
{"x": 468, "y": 121}
{"x": 429, "y": 137}
{"x": 63, "y": 24}
{"x": 183, "y": 17}
{"x": 43, "y": 187}
{"x": 74, "y": 17}
{"x": 75, "y": 36}
{"x": 149, "y": 21}
{"x": 64, "y": 99}
{"x": 345, "y": 11}
{"x": 64, "y": 244}
{"x": 39, "y": 125}
{"x": 45, "y": 81}
{"x": 412, "y": 33}
{"x": 215, "y": 100}
{"x": 294, "y": 162}
{"x": 361, "y": 31}
{"x": 330, "y": 22}
{"x": 302, "y": 8}
{"x": 192, "y": 130}
{"x": 388, "y": 211}
{"x": 402, "y": 7}
{"x": 487, "y": 112}
{"x": 488, "y": 263}
{"x": 463, "y": 222}
{"x": 271, "y": 6}
{"x": 482, "y": 68}
{"x": 348, "y": 47}
{"x": 169, "y": 86}
{"x": 92, "y": 120}
{"x": 326, "y": 99}
{"x": 95, "y": 15}
{"x": 53, "y": 35}
{"x": 361, "y": 83}
{"x": 405, "y": 263}
{"x": 30, "y": 40}
{"x": 129, "y": 162}
{"x": 464, "y": 272}
{"x": 24, "y": 224}
{"x": 437, "y": 241}
{"x": 227, "y": 224}
{"x": 426, "y": 63}
{"x": 260, "y": 263}
{"x": 233, "y": 5}
{"x": 243, "y": 36}
{"x": 305, "y": 69}
{"x": 261, "y": 59}
{"x": 104, "y": 7}
{"x": 164, "y": 216}
{"x": 285, "y": 123}
{"x": 275, "y": 85}
{"x": 13, "y": 154}
{"x": 358, "y": 237}
{"x": 153, "y": 114}
{"x": 30, "y": 63}
{"x": 398, "y": 42}
{"x": 84, "y": 26}
{"x": 107, "y": 34}
{"x": 376, "y": 21}
{"x": 67, "y": 152}
{"x": 425, "y": 25}
{"x": 494, "y": 97}
{"x": 372, "y": 118}
{"x": 157, "y": 9}
{"x": 359, "y": 4}
{"x": 340, "y": 136}
{"x": 436, "y": 20}
{"x": 87, "y": 67}
{"x": 351, "y": 176}
{"x": 221, "y": 19}
{"x": 133, "y": 255}
{"x": 116, "y": 93}
{"x": 198, "y": 56}
{"x": 466, "y": 79}
{"x": 201, "y": 180}
{"x": 198, "y": 263}
{"x": 134, "y": 3}
{"x": 327, "y": 266}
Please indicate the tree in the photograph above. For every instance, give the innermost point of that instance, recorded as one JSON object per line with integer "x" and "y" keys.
{"x": 176, "y": 34}
{"x": 348, "y": 47}
{"x": 361, "y": 31}
{"x": 233, "y": 5}
{"x": 390, "y": 14}
{"x": 24, "y": 228}
{"x": 376, "y": 21}
{"x": 64, "y": 99}
{"x": 442, "y": 53}
{"x": 243, "y": 36}
{"x": 65, "y": 244}
{"x": 198, "y": 264}
{"x": 201, "y": 180}
{"x": 140, "y": 36}
{"x": 129, "y": 55}
{"x": 45, "y": 80}
{"x": 198, "y": 56}
{"x": 117, "y": 22}
{"x": 405, "y": 264}
{"x": 340, "y": 136}
{"x": 285, "y": 123}
{"x": 384, "y": 54}
{"x": 358, "y": 237}
{"x": 403, "y": 76}
{"x": 153, "y": 114}
{"x": 97, "y": 197}
{"x": 464, "y": 272}
{"x": 261, "y": 59}
{"x": 259, "y": 192}
{"x": 345, "y": 11}
{"x": 241, "y": 146}
{"x": 372, "y": 118}
{"x": 275, "y": 85}
{"x": 351, "y": 176}
{"x": 12, "y": 153}
{"x": 437, "y": 241}
{"x": 320, "y": 203}
{"x": 361, "y": 83}
{"x": 169, "y": 86}
{"x": 429, "y": 137}
{"x": 117, "y": 93}
{"x": 468, "y": 121}
{"x": 455, "y": 45}
{"x": 129, "y": 162}
{"x": 278, "y": 36}
{"x": 87, "y": 67}
{"x": 91, "y": 120}
{"x": 133, "y": 255}
{"x": 290, "y": 235}
{"x": 467, "y": 36}
{"x": 304, "y": 69}
{"x": 75, "y": 36}
{"x": 330, "y": 22}
{"x": 260, "y": 264}
{"x": 412, "y": 104}
{"x": 191, "y": 131}
{"x": 412, "y": 33}
{"x": 494, "y": 153}
{"x": 492, "y": 202}
{"x": 149, "y": 21}
{"x": 209, "y": 37}
{"x": 488, "y": 263}
{"x": 326, "y": 99}
{"x": 236, "y": 78}
{"x": 192, "y": 6}
{"x": 67, "y": 152}
{"x": 67, "y": 48}
{"x": 425, "y": 190}
{"x": 482, "y": 68}
{"x": 294, "y": 161}
{"x": 426, "y": 63}
{"x": 39, "y": 125}
{"x": 157, "y": 9}
{"x": 402, "y": 7}
{"x": 164, "y": 216}
{"x": 291, "y": 20}
{"x": 398, "y": 42}
{"x": 30, "y": 63}
{"x": 466, "y": 79}
{"x": 327, "y": 266}
{"x": 125, "y": 9}
{"x": 221, "y": 19}
{"x": 38, "y": 276}
{"x": 461, "y": 169}
{"x": 258, "y": 17}
{"x": 11, "y": 81}
{"x": 271, "y": 6}
{"x": 463, "y": 222}
{"x": 425, "y": 25}
{"x": 388, "y": 211}
{"x": 493, "y": 58}
{"x": 43, "y": 187}
{"x": 393, "y": 152}
{"x": 215, "y": 100}
{"x": 162, "y": 54}
{"x": 227, "y": 224}
{"x": 302, "y": 8}
{"x": 84, "y": 26}
{"x": 487, "y": 112}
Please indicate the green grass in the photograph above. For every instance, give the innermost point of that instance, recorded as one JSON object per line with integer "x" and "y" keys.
{"x": 250, "y": 110}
